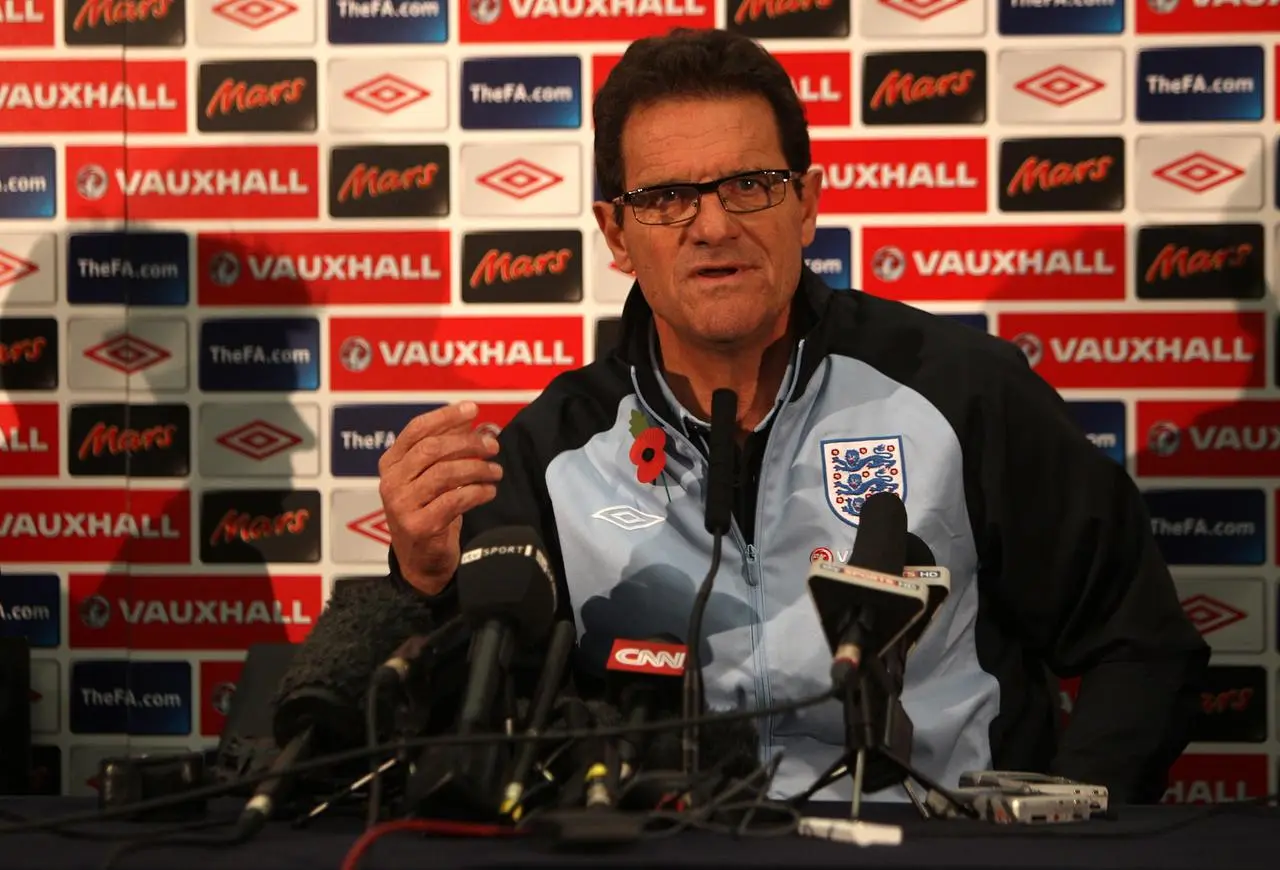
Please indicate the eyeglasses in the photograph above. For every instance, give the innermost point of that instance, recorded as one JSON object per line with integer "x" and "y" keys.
{"x": 743, "y": 193}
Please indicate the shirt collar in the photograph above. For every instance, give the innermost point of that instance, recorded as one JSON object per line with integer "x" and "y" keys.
{"x": 686, "y": 419}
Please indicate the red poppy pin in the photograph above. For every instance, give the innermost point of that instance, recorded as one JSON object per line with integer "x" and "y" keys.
{"x": 649, "y": 451}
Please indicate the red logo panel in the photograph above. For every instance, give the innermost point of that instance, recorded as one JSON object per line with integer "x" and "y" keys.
{"x": 568, "y": 21}
{"x": 146, "y": 526}
{"x": 895, "y": 176}
{"x": 452, "y": 353}
{"x": 29, "y": 441}
{"x": 1207, "y": 16}
{"x": 324, "y": 268}
{"x": 1128, "y": 350}
{"x": 26, "y": 22}
{"x": 192, "y": 182}
{"x": 977, "y": 263}
{"x": 1209, "y": 439}
{"x": 1214, "y": 779}
{"x": 133, "y": 611}
{"x": 93, "y": 96}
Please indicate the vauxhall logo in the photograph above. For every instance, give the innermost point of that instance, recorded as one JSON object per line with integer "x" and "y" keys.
{"x": 1165, "y": 438}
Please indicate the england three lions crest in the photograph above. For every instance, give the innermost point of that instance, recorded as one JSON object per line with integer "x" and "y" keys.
{"x": 854, "y": 470}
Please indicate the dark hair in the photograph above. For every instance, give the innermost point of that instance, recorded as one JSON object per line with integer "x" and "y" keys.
{"x": 693, "y": 63}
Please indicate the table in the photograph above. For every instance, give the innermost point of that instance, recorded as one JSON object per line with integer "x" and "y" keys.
{"x": 1238, "y": 839}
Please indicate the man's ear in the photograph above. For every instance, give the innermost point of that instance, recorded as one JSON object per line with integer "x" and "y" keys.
{"x": 612, "y": 230}
{"x": 809, "y": 204}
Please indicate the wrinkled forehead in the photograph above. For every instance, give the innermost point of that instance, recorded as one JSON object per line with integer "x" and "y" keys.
{"x": 679, "y": 140}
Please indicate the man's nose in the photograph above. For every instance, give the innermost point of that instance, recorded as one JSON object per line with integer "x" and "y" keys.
{"x": 712, "y": 223}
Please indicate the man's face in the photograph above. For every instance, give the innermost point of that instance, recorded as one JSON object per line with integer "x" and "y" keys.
{"x": 723, "y": 278}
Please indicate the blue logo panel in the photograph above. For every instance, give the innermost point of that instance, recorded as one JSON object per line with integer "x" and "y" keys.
{"x": 360, "y": 434}
{"x": 1223, "y": 83}
{"x": 29, "y": 607}
{"x": 1209, "y": 526}
{"x": 128, "y": 269}
{"x": 1019, "y": 18}
{"x": 829, "y": 256}
{"x": 130, "y": 697}
{"x": 521, "y": 93}
{"x": 977, "y": 320}
{"x": 28, "y": 182}
{"x": 369, "y": 22}
{"x": 1103, "y": 424}
{"x": 281, "y": 353}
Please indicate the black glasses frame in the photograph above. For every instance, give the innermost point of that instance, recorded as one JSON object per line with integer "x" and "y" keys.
{"x": 704, "y": 187}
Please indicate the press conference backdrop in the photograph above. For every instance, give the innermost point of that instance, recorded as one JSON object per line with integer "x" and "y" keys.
{"x": 242, "y": 242}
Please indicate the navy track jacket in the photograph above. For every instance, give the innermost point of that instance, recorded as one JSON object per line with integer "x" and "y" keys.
{"x": 1053, "y": 565}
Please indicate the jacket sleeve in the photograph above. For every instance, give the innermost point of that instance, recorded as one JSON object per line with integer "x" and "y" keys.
{"x": 521, "y": 500}
{"x": 1065, "y": 545}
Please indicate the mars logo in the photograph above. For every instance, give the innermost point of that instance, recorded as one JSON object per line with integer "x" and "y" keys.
{"x": 127, "y": 354}
{"x": 372, "y": 526}
{"x": 532, "y": 266}
{"x": 1062, "y": 174}
{"x": 254, "y": 14}
{"x": 1031, "y": 346}
{"x": 928, "y": 87}
{"x": 520, "y": 179}
{"x": 783, "y": 19}
{"x": 260, "y": 526}
{"x": 257, "y": 96}
{"x": 389, "y": 181}
{"x": 386, "y": 94}
{"x": 134, "y": 440}
{"x": 258, "y": 440}
{"x": 1209, "y": 614}
{"x": 125, "y": 22}
{"x": 1201, "y": 261}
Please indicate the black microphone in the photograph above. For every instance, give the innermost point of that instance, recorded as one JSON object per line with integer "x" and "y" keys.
{"x": 412, "y": 661}
{"x": 544, "y": 696}
{"x": 319, "y": 703}
{"x": 719, "y": 520}
{"x": 324, "y": 688}
{"x": 507, "y": 594}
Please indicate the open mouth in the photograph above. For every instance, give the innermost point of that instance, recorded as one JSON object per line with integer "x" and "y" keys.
{"x": 723, "y": 272}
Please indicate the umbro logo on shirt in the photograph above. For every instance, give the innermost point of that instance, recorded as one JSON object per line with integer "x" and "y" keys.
{"x": 627, "y": 518}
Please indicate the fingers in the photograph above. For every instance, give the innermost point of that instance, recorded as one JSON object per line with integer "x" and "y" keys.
{"x": 437, "y": 449}
{"x": 438, "y": 422}
{"x": 445, "y": 477}
{"x": 436, "y": 517}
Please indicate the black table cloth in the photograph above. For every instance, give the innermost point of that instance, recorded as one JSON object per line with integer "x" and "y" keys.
{"x": 1141, "y": 838}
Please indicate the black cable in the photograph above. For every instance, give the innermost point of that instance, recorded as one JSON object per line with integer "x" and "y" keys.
{"x": 164, "y": 839}
{"x": 693, "y": 697}
{"x": 371, "y": 744}
{"x": 353, "y": 755}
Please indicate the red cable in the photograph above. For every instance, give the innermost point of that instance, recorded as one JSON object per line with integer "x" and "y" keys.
{"x": 439, "y": 827}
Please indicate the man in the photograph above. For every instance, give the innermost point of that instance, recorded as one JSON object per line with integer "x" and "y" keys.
{"x": 702, "y": 155}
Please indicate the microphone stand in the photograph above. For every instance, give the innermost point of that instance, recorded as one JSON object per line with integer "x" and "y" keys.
{"x": 872, "y": 708}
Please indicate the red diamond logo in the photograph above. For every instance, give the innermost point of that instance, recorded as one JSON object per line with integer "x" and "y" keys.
{"x": 921, "y": 9}
{"x": 519, "y": 179}
{"x": 254, "y": 14}
{"x": 1209, "y": 614}
{"x": 127, "y": 353}
{"x": 13, "y": 268}
{"x": 1198, "y": 172}
{"x": 1059, "y": 85}
{"x": 373, "y": 526}
{"x": 387, "y": 94}
{"x": 258, "y": 440}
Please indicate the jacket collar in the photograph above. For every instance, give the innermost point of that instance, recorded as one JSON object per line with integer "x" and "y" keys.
{"x": 810, "y": 307}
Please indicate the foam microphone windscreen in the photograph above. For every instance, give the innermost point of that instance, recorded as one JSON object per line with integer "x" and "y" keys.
{"x": 363, "y": 623}
{"x": 505, "y": 574}
{"x": 881, "y": 542}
